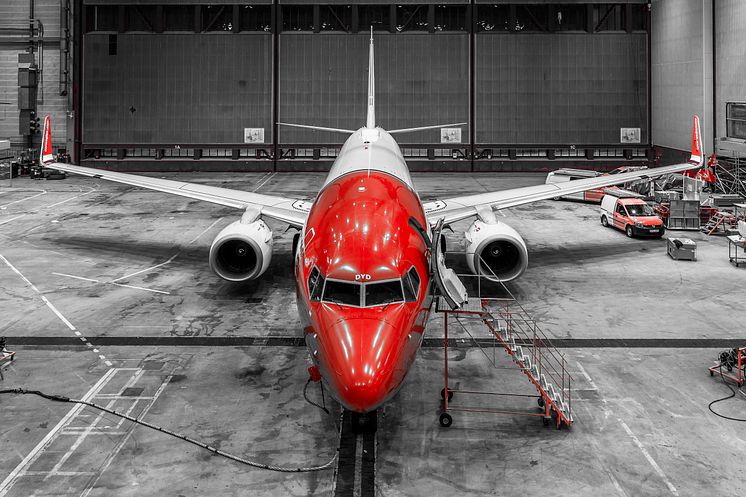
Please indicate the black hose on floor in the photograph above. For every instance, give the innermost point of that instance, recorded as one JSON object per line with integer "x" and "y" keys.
{"x": 732, "y": 394}
{"x": 214, "y": 450}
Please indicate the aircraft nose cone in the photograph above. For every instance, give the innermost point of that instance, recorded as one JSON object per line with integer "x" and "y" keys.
{"x": 363, "y": 366}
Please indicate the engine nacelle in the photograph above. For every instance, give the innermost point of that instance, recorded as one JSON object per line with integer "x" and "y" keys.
{"x": 502, "y": 250}
{"x": 242, "y": 251}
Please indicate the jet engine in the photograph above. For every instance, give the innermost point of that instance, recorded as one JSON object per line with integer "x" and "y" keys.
{"x": 495, "y": 249}
{"x": 243, "y": 249}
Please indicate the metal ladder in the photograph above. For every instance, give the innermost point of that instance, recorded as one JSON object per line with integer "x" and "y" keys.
{"x": 533, "y": 353}
{"x": 509, "y": 324}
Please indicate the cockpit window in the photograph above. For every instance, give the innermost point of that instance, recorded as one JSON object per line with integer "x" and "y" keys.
{"x": 367, "y": 294}
{"x": 315, "y": 284}
{"x": 411, "y": 282}
{"x": 342, "y": 292}
{"x": 385, "y": 292}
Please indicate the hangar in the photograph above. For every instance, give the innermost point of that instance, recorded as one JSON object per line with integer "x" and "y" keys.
{"x": 433, "y": 186}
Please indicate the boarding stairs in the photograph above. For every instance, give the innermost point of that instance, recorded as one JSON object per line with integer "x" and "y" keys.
{"x": 720, "y": 223}
{"x": 507, "y": 325}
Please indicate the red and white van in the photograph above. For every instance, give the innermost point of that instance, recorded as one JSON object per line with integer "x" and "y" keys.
{"x": 631, "y": 215}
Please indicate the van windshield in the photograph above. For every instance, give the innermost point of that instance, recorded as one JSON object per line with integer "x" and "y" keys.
{"x": 640, "y": 210}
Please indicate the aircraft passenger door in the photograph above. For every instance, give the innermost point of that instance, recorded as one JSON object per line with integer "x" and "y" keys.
{"x": 448, "y": 283}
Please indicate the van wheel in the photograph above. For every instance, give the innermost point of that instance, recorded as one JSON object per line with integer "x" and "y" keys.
{"x": 604, "y": 222}
{"x": 629, "y": 231}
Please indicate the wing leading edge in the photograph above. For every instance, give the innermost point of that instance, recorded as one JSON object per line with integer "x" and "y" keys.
{"x": 291, "y": 211}
{"x": 458, "y": 208}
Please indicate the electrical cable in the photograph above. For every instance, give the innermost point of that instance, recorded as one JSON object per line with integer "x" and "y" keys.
{"x": 732, "y": 394}
{"x": 305, "y": 396}
{"x": 214, "y": 450}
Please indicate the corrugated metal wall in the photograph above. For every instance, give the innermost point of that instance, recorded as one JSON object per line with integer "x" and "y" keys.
{"x": 681, "y": 71}
{"x": 561, "y": 88}
{"x": 421, "y": 79}
{"x": 176, "y": 88}
{"x": 548, "y": 88}
{"x": 730, "y": 49}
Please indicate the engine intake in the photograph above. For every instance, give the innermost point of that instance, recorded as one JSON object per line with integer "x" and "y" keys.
{"x": 495, "y": 250}
{"x": 242, "y": 251}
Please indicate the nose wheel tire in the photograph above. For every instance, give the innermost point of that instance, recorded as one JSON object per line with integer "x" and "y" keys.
{"x": 443, "y": 394}
{"x": 445, "y": 420}
{"x": 364, "y": 423}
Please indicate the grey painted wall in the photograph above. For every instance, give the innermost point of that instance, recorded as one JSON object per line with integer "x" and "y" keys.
{"x": 682, "y": 71}
{"x": 185, "y": 88}
{"x": 730, "y": 50}
{"x": 421, "y": 79}
{"x": 562, "y": 88}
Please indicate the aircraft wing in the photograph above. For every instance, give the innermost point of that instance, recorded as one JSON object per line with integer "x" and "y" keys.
{"x": 458, "y": 208}
{"x": 291, "y": 211}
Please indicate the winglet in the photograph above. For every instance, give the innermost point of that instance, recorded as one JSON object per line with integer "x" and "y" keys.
{"x": 370, "y": 122}
{"x": 697, "y": 153}
{"x": 45, "y": 155}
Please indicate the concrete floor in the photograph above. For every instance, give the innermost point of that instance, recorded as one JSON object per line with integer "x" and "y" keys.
{"x": 84, "y": 262}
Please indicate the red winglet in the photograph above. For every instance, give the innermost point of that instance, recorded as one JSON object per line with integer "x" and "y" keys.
{"x": 696, "y": 143}
{"x": 46, "y": 142}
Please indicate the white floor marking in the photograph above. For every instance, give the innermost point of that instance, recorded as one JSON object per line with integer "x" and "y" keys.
{"x": 142, "y": 288}
{"x": 59, "y": 314}
{"x": 12, "y": 219}
{"x": 88, "y": 429}
{"x": 586, "y": 375}
{"x": 20, "y": 470}
{"x": 262, "y": 183}
{"x": 52, "y": 307}
{"x": 649, "y": 458}
{"x": 204, "y": 231}
{"x": 124, "y": 440}
{"x": 117, "y": 284}
{"x": 42, "y": 192}
{"x": 616, "y": 484}
{"x": 171, "y": 258}
{"x": 76, "y": 277}
{"x": 71, "y": 198}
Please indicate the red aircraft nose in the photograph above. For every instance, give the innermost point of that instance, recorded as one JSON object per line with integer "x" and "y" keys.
{"x": 362, "y": 357}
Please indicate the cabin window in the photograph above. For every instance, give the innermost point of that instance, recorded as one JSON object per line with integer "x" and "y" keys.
{"x": 315, "y": 284}
{"x": 383, "y": 293}
{"x": 342, "y": 292}
{"x": 411, "y": 282}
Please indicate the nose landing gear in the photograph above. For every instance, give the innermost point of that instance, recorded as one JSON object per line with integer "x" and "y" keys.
{"x": 364, "y": 423}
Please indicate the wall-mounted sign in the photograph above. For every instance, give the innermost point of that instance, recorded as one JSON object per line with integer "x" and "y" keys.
{"x": 253, "y": 135}
{"x": 450, "y": 135}
{"x": 629, "y": 135}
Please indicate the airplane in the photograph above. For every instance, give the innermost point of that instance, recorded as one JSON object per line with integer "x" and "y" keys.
{"x": 369, "y": 253}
